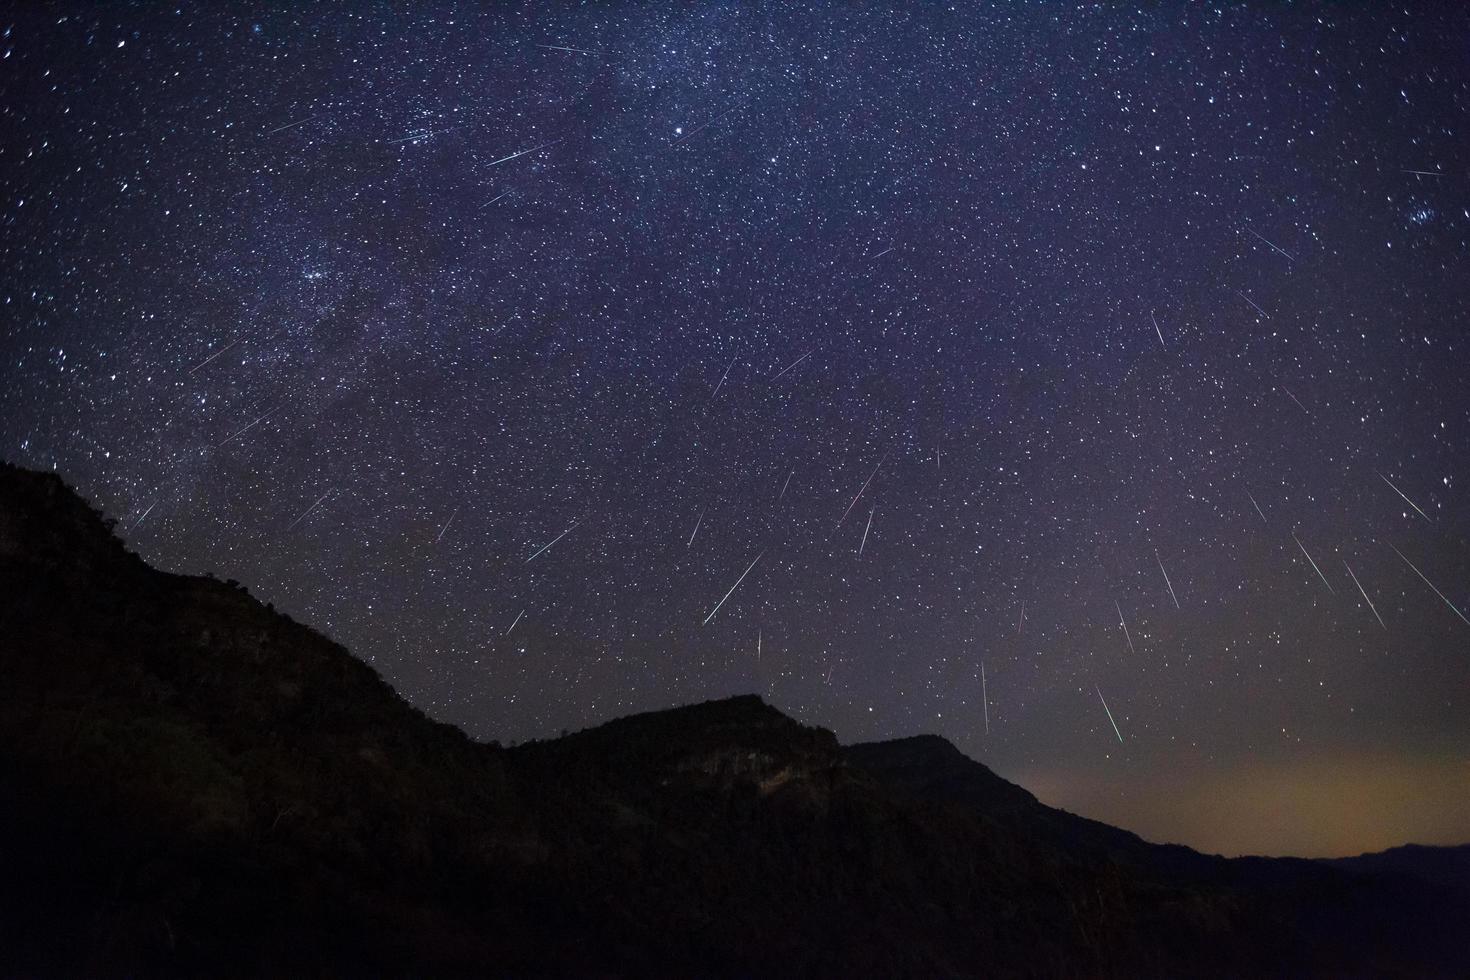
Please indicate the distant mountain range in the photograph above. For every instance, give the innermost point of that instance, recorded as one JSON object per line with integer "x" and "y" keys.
{"x": 192, "y": 783}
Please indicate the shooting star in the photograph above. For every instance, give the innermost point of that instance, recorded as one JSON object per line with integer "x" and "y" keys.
{"x": 1431, "y": 585}
{"x": 785, "y": 485}
{"x": 881, "y": 254}
{"x": 446, "y": 525}
{"x": 684, "y": 136}
{"x": 1272, "y": 244}
{"x": 1295, "y": 399}
{"x": 563, "y": 47}
{"x": 732, "y": 590}
{"x": 1425, "y": 173}
{"x": 1256, "y": 506}
{"x": 1314, "y": 564}
{"x": 553, "y": 541}
{"x": 1022, "y": 621}
{"x": 311, "y": 508}
{"x": 864, "y": 488}
{"x": 214, "y": 355}
{"x": 247, "y": 428}
{"x": 1166, "y": 579}
{"x": 516, "y": 620}
{"x": 722, "y": 379}
{"x": 1406, "y": 499}
{"x": 791, "y": 365}
{"x": 1157, "y": 330}
{"x": 757, "y": 646}
{"x": 1253, "y": 304}
{"x": 1365, "y": 595}
{"x": 1123, "y": 623}
{"x": 866, "y": 530}
{"x": 292, "y": 125}
{"x": 144, "y": 514}
{"x": 698, "y": 521}
{"x": 984, "y": 697}
{"x": 521, "y": 153}
{"x": 1110, "y": 713}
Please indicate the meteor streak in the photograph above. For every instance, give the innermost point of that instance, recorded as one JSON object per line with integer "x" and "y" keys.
{"x": 1314, "y": 564}
{"x": 214, "y": 355}
{"x": 1256, "y": 505}
{"x": 1365, "y": 595}
{"x": 552, "y": 542}
{"x": 1110, "y": 713}
{"x": 1406, "y": 499}
{"x": 984, "y": 697}
{"x": 1123, "y": 623}
{"x": 1431, "y": 585}
{"x": 792, "y": 365}
{"x": 732, "y": 590}
{"x": 521, "y": 153}
{"x": 863, "y": 488}
{"x": 311, "y": 508}
{"x": 1272, "y": 244}
{"x": 1166, "y": 580}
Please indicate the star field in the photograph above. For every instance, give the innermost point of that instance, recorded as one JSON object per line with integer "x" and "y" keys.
{"x": 500, "y": 342}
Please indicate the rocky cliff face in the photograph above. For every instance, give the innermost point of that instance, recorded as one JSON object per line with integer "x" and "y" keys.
{"x": 192, "y": 783}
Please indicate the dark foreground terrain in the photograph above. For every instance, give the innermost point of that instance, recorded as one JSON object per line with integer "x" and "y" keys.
{"x": 191, "y": 783}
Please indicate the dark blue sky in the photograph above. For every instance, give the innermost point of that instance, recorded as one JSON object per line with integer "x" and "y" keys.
{"x": 364, "y": 305}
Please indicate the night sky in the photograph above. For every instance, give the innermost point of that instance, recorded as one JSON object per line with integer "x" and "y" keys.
{"x": 500, "y": 342}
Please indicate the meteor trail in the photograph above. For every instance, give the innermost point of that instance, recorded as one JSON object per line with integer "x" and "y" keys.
{"x": 1295, "y": 399}
{"x": 1272, "y": 244}
{"x": 732, "y": 590}
{"x": 1314, "y": 564}
{"x": 214, "y": 355}
{"x": 866, "y": 530}
{"x": 144, "y": 514}
{"x": 1425, "y": 173}
{"x": 1431, "y": 585}
{"x": 1365, "y": 595}
{"x": 785, "y": 485}
{"x": 863, "y": 488}
{"x": 722, "y": 379}
{"x": 1022, "y": 621}
{"x": 311, "y": 508}
{"x": 292, "y": 125}
{"x": 247, "y": 428}
{"x": 1253, "y": 304}
{"x": 1157, "y": 330}
{"x": 710, "y": 122}
{"x": 984, "y": 697}
{"x": 520, "y": 153}
{"x": 1110, "y": 714}
{"x": 1166, "y": 580}
{"x": 757, "y": 646}
{"x": 698, "y": 521}
{"x": 516, "y": 620}
{"x": 446, "y": 525}
{"x": 553, "y": 541}
{"x": 792, "y": 365}
{"x": 563, "y": 47}
{"x": 1123, "y": 623}
{"x": 1406, "y": 499}
{"x": 1256, "y": 505}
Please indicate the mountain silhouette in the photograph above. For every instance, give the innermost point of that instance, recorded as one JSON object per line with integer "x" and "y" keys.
{"x": 193, "y": 783}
